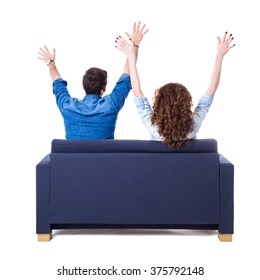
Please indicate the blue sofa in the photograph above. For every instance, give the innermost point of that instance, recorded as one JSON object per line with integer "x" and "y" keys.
{"x": 134, "y": 184}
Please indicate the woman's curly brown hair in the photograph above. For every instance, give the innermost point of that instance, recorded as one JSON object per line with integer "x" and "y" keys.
{"x": 172, "y": 113}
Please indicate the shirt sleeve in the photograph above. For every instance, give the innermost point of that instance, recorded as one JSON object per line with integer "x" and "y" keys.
{"x": 121, "y": 91}
{"x": 145, "y": 111}
{"x": 201, "y": 111}
{"x": 61, "y": 93}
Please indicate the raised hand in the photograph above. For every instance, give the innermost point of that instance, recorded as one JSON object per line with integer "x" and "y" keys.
{"x": 138, "y": 33}
{"x": 46, "y": 56}
{"x": 124, "y": 46}
{"x": 225, "y": 44}
{"x": 131, "y": 51}
{"x": 49, "y": 59}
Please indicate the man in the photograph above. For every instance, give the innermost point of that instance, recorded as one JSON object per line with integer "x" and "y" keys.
{"x": 95, "y": 116}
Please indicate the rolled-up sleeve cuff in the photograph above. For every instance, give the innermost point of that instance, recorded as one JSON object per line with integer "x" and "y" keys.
{"x": 124, "y": 77}
{"x": 141, "y": 103}
{"x": 59, "y": 84}
{"x": 206, "y": 100}
{"x": 59, "y": 81}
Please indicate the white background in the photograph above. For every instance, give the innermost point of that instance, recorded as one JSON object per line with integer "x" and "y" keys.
{"x": 180, "y": 47}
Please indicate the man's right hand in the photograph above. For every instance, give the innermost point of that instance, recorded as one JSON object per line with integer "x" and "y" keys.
{"x": 137, "y": 33}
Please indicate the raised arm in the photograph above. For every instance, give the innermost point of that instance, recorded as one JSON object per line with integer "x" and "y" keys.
{"x": 131, "y": 51}
{"x": 136, "y": 37}
{"x": 49, "y": 59}
{"x": 224, "y": 46}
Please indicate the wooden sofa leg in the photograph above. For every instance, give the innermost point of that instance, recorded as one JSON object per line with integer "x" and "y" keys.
{"x": 44, "y": 237}
{"x": 225, "y": 237}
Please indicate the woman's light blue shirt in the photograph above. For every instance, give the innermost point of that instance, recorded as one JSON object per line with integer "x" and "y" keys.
{"x": 199, "y": 114}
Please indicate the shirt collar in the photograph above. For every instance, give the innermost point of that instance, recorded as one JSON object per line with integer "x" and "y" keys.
{"x": 91, "y": 97}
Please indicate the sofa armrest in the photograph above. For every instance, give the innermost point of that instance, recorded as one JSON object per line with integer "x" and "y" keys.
{"x": 43, "y": 195}
{"x": 226, "y": 196}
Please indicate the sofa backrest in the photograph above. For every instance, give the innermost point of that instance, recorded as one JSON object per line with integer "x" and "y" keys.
{"x": 131, "y": 146}
{"x": 99, "y": 181}
{"x": 134, "y": 182}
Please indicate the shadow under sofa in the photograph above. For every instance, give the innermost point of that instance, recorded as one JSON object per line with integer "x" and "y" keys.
{"x": 134, "y": 184}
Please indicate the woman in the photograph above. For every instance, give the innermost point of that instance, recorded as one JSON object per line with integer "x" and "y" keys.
{"x": 170, "y": 119}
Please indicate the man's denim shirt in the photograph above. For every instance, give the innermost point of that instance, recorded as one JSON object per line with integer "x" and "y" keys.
{"x": 199, "y": 115}
{"x": 94, "y": 117}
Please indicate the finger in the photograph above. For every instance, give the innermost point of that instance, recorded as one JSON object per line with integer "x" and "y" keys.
{"x": 120, "y": 44}
{"x": 230, "y": 39}
{"x": 225, "y": 36}
{"x": 46, "y": 49}
{"x": 142, "y": 28}
{"x": 219, "y": 41}
{"x": 145, "y": 31}
{"x": 138, "y": 25}
{"x": 43, "y": 51}
{"x": 129, "y": 37}
{"x": 119, "y": 39}
{"x": 134, "y": 27}
{"x": 41, "y": 54}
{"x": 118, "y": 47}
{"x": 54, "y": 53}
{"x": 231, "y": 46}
